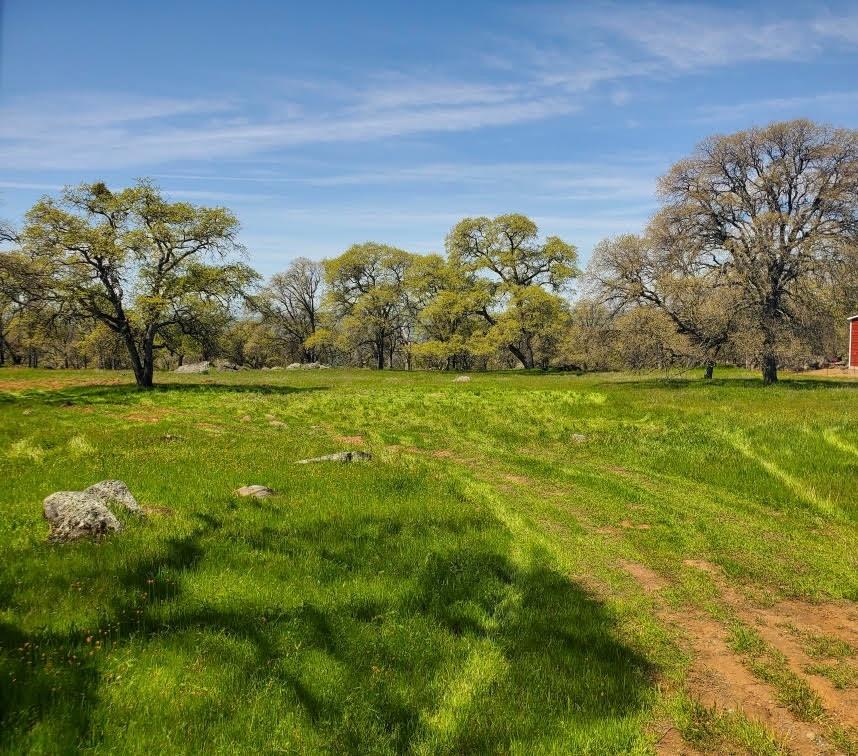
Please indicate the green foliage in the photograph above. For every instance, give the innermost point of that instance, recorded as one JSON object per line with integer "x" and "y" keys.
{"x": 514, "y": 300}
{"x": 136, "y": 263}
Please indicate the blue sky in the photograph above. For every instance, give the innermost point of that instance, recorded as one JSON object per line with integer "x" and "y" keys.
{"x": 323, "y": 124}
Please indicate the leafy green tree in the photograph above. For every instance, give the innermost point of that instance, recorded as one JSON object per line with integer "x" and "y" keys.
{"x": 445, "y": 301}
{"x": 136, "y": 262}
{"x": 522, "y": 275}
{"x": 367, "y": 299}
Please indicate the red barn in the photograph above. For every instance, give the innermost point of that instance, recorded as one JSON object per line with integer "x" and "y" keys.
{"x": 852, "y": 359}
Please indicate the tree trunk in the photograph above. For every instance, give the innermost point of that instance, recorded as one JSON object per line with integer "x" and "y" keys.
{"x": 148, "y": 357}
{"x": 770, "y": 368}
{"x": 520, "y": 356}
{"x": 134, "y": 356}
{"x": 710, "y": 369}
{"x": 769, "y": 356}
{"x": 379, "y": 352}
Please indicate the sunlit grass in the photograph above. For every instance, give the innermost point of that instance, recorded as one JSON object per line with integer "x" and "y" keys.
{"x": 459, "y": 593}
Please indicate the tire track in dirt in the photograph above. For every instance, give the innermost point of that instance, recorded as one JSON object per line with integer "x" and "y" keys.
{"x": 717, "y": 678}
{"x": 836, "y": 620}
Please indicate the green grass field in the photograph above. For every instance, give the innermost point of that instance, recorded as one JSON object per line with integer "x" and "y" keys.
{"x": 529, "y": 564}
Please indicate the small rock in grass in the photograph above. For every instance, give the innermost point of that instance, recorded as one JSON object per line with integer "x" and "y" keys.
{"x": 196, "y": 367}
{"x": 277, "y": 423}
{"x": 462, "y": 379}
{"x": 578, "y": 438}
{"x": 257, "y": 492}
{"x": 246, "y": 418}
{"x": 346, "y": 456}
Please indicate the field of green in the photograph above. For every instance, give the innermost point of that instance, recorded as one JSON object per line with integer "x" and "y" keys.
{"x": 500, "y": 577}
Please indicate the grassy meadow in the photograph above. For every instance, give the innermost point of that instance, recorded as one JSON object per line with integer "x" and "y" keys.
{"x": 516, "y": 570}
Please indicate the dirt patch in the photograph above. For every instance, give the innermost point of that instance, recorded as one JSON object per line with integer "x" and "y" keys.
{"x": 354, "y": 440}
{"x": 629, "y": 525}
{"x": 159, "y": 511}
{"x": 672, "y": 744}
{"x": 836, "y": 618}
{"x": 703, "y": 566}
{"x": 149, "y": 415}
{"x": 718, "y": 678}
{"x": 774, "y": 625}
{"x": 649, "y": 579}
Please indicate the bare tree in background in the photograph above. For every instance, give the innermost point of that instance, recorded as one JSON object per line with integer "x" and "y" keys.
{"x": 770, "y": 208}
{"x": 289, "y": 304}
{"x": 632, "y": 270}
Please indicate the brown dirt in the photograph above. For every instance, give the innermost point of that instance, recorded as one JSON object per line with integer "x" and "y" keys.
{"x": 55, "y": 384}
{"x": 717, "y": 676}
{"x": 835, "y": 619}
{"x": 649, "y": 579}
{"x": 672, "y": 744}
{"x": 355, "y": 440}
{"x": 629, "y": 525}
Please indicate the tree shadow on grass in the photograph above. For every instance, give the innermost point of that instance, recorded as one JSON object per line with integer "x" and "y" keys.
{"x": 790, "y": 383}
{"x": 535, "y": 654}
{"x": 123, "y": 394}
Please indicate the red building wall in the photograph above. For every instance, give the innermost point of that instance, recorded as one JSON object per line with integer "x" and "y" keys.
{"x": 853, "y": 343}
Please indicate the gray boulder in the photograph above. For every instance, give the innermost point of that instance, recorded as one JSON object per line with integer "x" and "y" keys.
{"x": 257, "y": 492}
{"x": 114, "y": 492}
{"x": 77, "y": 514}
{"x": 81, "y": 514}
{"x": 346, "y": 456}
{"x": 462, "y": 379}
{"x": 196, "y": 367}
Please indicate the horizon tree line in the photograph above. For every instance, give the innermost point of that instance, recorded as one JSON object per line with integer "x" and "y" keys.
{"x": 751, "y": 259}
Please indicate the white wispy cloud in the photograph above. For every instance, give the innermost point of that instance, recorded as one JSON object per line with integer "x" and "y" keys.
{"x": 665, "y": 39}
{"x": 68, "y": 133}
{"x": 803, "y": 105}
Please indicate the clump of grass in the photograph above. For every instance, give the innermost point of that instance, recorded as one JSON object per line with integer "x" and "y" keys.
{"x": 841, "y": 674}
{"x": 821, "y": 646}
{"x": 78, "y": 446}
{"x": 26, "y": 449}
{"x": 771, "y": 665}
{"x": 718, "y": 731}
